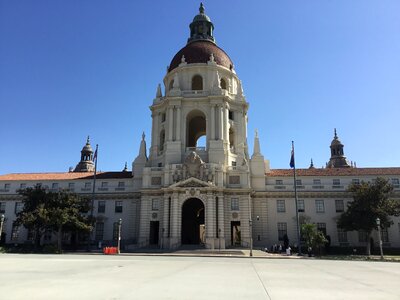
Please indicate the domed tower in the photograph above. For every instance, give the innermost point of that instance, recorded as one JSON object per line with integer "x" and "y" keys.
{"x": 337, "y": 160}
{"x": 203, "y": 109}
{"x": 86, "y": 164}
{"x": 198, "y": 156}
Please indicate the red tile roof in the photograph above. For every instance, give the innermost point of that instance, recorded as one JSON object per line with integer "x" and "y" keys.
{"x": 64, "y": 176}
{"x": 336, "y": 172}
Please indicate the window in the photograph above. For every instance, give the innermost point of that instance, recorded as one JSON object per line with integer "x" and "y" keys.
{"x": 18, "y": 207}
{"x": 342, "y": 235}
{"x": 280, "y": 206}
{"x": 279, "y": 182}
{"x": 163, "y": 117}
{"x": 317, "y": 182}
{"x": 298, "y": 182}
{"x": 235, "y": 204}
{"x": 118, "y": 206}
{"x": 22, "y": 186}
{"x": 15, "y": 232}
{"x": 6, "y": 186}
{"x": 2, "y": 207}
{"x": 155, "y": 204}
{"x": 322, "y": 227}
{"x": 121, "y": 184}
{"x": 385, "y": 235}
{"x": 223, "y": 84}
{"x": 339, "y": 204}
{"x": 319, "y": 206}
{"x": 54, "y": 185}
{"x": 395, "y": 182}
{"x": 88, "y": 185}
{"x": 99, "y": 231}
{"x": 282, "y": 230}
{"x": 336, "y": 181}
{"x": 104, "y": 184}
{"x": 197, "y": 83}
{"x": 355, "y": 181}
{"x": 362, "y": 236}
{"x": 231, "y": 115}
{"x": 233, "y": 163}
{"x": 101, "y": 207}
{"x": 71, "y": 186}
{"x": 162, "y": 140}
{"x": 300, "y": 205}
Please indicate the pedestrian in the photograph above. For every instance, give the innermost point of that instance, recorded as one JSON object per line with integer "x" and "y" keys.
{"x": 288, "y": 249}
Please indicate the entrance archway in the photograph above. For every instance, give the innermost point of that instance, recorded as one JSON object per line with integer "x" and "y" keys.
{"x": 193, "y": 229}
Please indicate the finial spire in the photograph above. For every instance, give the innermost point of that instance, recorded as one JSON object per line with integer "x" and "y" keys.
{"x": 143, "y": 136}
{"x": 312, "y": 164}
{"x": 335, "y": 134}
{"x": 257, "y": 149}
{"x": 88, "y": 140}
{"x": 125, "y": 168}
{"x": 201, "y": 8}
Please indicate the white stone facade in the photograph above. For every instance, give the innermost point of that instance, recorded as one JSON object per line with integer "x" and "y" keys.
{"x": 215, "y": 195}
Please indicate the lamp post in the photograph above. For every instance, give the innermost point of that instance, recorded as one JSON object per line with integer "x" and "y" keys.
{"x": 251, "y": 236}
{"x": 119, "y": 235}
{"x": 378, "y": 222}
{"x": 1, "y": 225}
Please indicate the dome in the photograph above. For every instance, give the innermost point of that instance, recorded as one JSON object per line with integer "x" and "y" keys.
{"x": 199, "y": 52}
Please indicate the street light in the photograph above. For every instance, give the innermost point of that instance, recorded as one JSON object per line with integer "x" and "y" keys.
{"x": 378, "y": 222}
{"x": 251, "y": 237}
{"x": 1, "y": 225}
{"x": 119, "y": 235}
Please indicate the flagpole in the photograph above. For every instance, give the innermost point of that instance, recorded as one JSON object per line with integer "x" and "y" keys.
{"x": 93, "y": 195}
{"x": 292, "y": 161}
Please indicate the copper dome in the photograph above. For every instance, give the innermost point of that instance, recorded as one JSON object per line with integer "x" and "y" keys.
{"x": 200, "y": 52}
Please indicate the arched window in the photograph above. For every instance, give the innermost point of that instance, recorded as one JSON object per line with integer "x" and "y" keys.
{"x": 223, "y": 84}
{"x": 162, "y": 140}
{"x": 197, "y": 83}
{"x": 171, "y": 85}
{"x": 196, "y": 129}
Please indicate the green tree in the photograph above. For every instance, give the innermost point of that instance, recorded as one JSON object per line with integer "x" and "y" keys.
{"x": 34, "y": 215}
{"x": 371, "y": 200}
{"x": 67, "y": 211}
{"x": 312, "y": 236}
{"x": 43, "y": 210}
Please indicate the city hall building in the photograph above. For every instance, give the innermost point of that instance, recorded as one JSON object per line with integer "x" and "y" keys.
{"x": 219, "y": 196}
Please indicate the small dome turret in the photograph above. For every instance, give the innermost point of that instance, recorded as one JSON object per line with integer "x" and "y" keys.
{"x": 86, "y": 164}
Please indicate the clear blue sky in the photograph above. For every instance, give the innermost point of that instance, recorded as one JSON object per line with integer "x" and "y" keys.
{"x": 69, "y": 69}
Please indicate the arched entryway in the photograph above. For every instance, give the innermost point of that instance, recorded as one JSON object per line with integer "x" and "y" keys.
{"x": 193, "y": 228}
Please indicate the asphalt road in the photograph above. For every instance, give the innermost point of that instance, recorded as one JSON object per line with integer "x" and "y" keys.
{"x": 162, "y": 277}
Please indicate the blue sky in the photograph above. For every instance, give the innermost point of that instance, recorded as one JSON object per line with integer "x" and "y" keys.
{"x": 69, "y": 69}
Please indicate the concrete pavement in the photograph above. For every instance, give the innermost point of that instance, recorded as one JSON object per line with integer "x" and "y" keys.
{"x": 181, "y": 277}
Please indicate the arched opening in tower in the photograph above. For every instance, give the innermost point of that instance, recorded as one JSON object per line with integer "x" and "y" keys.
{"x": 196, "y": 129}
{"x": 197, "y": 83}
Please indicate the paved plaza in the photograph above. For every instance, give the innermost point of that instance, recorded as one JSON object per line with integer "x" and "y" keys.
{"x": 181, "y": 277}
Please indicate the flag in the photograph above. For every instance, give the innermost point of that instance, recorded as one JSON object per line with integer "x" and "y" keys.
{"x": 292, "y": 157}
{"x": 95, "y": 155}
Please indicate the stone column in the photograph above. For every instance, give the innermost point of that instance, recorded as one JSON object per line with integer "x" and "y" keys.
{"x": 221, "y": 223}
{"x": 220, "y": 123}
{"x": 210, "y": 220}
{"x": 174, "y": 219}
{"x": 226, "y": 124}
{"x": 178, "y": 123}
{"x": 212, "y": 125}
{"x": 164, "y": 229}
{"x": 170, "y": 123}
